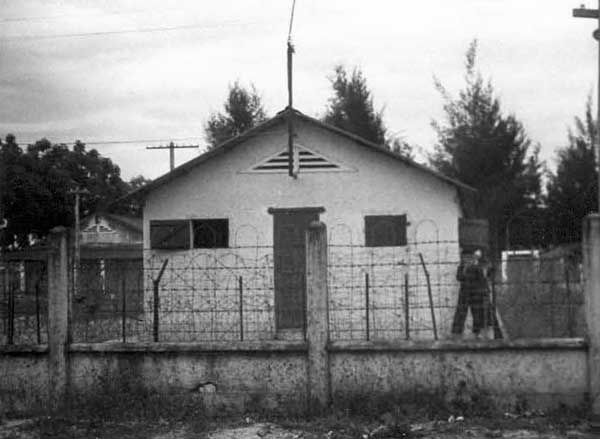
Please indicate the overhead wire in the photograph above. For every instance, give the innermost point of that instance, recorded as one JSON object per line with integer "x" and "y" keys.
{"x": 126, "y": 31}
{"x": 112, "y": 142}
{"x": 59, "y": 16}
{"x": 134, "y": 141}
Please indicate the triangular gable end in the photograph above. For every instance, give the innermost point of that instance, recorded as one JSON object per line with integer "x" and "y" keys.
{"x": 99, "y": 225}
{"x": 305, "y": 160}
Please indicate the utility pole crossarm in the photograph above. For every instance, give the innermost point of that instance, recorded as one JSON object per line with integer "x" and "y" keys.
{"x": 175, "y": 146}
{"x": 172, "y": 147}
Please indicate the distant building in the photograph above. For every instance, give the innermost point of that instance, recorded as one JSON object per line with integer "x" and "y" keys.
{"x": 107, "y": 230}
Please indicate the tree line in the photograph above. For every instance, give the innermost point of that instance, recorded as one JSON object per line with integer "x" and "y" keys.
{"x": 37, "y": 184}
{"x": 478, "y": 143}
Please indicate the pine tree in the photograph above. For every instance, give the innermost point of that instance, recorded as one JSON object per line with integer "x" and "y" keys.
{"x": 481, "y": 146}
{"x": 351, "y": 106}
{"x": 243, "y": 109}
{"x": 573, "y": 189}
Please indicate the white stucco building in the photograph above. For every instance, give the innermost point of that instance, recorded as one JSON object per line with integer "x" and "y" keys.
{"x": 236, "y": 212}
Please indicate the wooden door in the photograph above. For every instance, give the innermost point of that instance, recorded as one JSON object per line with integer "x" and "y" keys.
{"x": 289, "y": 254}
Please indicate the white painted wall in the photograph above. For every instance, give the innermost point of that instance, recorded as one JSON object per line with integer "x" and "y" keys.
{"x": 376, "y": 185}
{"x": 220, "y": 188}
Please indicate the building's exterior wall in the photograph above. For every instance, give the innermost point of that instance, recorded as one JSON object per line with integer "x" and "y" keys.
{"x": 374, "y": 184}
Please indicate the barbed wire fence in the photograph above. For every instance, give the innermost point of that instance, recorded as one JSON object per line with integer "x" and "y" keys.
{"x": 407, "y": 292}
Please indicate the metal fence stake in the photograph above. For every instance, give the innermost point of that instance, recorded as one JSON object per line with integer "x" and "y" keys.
{"x": 241, "y": 291}
{"x": 406, "y": 309}
{"x": 435, "y": 334}
{"x": 11, "y": 313}
{"x": 155, "y": 285}
{"x": 494, "y": 316}
{"x": 569, "y": 302}
{"x": 367, "y": 306}
{"x": 37, "y": 312}
{"x": 124, "y": 305}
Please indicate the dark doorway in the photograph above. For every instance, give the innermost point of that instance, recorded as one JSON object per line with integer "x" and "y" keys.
{"x": 289, "y": 255}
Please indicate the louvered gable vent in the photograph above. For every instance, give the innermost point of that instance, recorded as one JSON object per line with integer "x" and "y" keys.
{"x": 304, "y": 160}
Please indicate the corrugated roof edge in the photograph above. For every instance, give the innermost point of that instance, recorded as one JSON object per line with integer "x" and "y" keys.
{"x": 280, "y": 117}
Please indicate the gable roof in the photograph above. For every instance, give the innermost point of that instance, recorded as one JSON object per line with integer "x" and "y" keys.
{"x": 130, "y": 222}
{"x": 278, "y": 118}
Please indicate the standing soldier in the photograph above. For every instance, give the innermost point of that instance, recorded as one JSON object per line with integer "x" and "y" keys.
{"x": 473, "y": 294}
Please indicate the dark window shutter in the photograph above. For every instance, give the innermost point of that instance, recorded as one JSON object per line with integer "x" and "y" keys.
{"x": 385, "y": 230}
{"x": 170, "y": 235}
{"x": 211, "y": 233}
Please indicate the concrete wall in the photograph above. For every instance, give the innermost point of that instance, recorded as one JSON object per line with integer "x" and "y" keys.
{"x": 24, "y": 380}
{"x": 221, "y": 381}
{"x": 273, "y": 376}
{"x": 373, "y": 184}
{"x": 504, "y": 375}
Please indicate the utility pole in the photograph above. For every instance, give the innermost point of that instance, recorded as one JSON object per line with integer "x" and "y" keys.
{"x": 77, "y": 255}
{"x": 172, "y": 147}
{"x": 583, "y": 12}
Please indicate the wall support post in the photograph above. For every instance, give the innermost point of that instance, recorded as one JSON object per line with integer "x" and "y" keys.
{"x": 591, "y": 274}
{"x": 317, "y": 313}
{"x": 58, "y": 316}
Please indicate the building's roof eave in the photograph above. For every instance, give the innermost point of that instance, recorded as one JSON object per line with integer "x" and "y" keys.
{"x": 382, "y": 149}
{"x": 280, "y": 117}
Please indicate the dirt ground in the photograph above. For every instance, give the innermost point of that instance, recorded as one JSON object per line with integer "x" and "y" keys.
{"x": 332, "y": 427}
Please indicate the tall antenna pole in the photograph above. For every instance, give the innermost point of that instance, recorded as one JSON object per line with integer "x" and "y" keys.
{"x": 290, "y": 118}
{"x": 172, "y": 147}
{"x": 582, "y": 12}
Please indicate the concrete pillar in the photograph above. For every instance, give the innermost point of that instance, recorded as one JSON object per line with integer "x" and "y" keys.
{"x": 317, "y": 317}
{"x": 58, "y": 316}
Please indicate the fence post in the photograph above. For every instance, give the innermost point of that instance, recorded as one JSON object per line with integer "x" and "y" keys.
{"x": 124, "y": 302}
{"x": 367, "y": 322}
{"x": 11, "y": 312}
{"x": 591, "y": 274}
{"x": 406, "y": 308}
{"x": 58, "y": 316}
{"x": 156, "y": 299}
{"x": 317, "y": 313}
{"x": 241, "y": 293}
{"x": 429, "y": 294}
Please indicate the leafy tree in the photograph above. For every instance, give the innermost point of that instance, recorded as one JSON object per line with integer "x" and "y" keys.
{"x": 481, "y": 146}
{"x": 573, "y": 189}
{"x": 243, "y": 109}
{"x": 38, "y": 181}
{"x": 351, "y": 109}
{"x": 401, "y": 146}
{"x": 351, "y": 106}
{"x": 138, "y": 181}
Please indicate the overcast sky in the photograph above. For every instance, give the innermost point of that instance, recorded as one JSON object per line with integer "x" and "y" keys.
{"x": 127, "y": 80}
